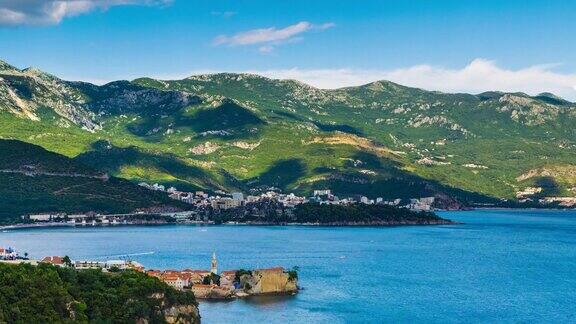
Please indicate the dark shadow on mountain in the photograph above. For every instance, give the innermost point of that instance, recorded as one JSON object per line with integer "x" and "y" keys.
{"x": 323, "y": 169}
{"x": 390, "y": 182}
{"x": 229, "y": 115}
{"x": 22, "y": 85}
{"x": 549, "y": 186}
{"x": 281, "y": 174}
{"x": 403, "y": 186}
{"x": 552, "y": 99}
{"x": 373, "y": 161}
{"x": 89, "y": 190}
{"x": 340, "y": 128}
{"x": 229, "y": 181}
{"x": 489, "y": 95}
{"x": 112, "y": 159}
{"x": 229, "y": 119}
{"x": 322, "y": 126}
{"x": 287, "y": 115}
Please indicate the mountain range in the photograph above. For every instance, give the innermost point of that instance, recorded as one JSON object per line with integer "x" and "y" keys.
{"x": 244, "y": 132}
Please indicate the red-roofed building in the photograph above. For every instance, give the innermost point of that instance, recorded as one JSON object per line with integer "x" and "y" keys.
{"x": 196, "y": 276}
{"x": 154, "y": 273}
{"x": 227, "y": 277}
{"x": 54, "y": 260}
{"x": 175, "y": 280}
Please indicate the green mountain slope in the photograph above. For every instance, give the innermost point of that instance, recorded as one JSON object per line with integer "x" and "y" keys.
{"x": 35, "y": 180}
{"x": 246, "y": 132}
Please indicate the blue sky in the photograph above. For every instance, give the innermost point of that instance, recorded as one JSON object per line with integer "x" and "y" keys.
{"x": 462, "y": 45}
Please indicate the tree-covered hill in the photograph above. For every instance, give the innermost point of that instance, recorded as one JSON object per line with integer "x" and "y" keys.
{"x": 35, "y": 181}
{"x": 241, "y": 132}
{"x": 48, "y": 294}
{"x": 271, "y": 212}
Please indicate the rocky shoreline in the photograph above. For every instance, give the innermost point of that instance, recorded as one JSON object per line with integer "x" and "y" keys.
{"x": 351, "y": 224}
{"x": 248, "y": 223}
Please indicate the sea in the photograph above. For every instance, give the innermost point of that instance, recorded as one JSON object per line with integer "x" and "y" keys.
{"x": 504, "y": 266}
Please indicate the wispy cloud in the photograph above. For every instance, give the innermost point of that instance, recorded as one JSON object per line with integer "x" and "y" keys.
{"x": 270, "y": 37}
{"x": 224, "y": 14}
{"x": 49, "y": 12}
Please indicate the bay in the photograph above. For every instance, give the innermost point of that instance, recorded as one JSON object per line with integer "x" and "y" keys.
{"x": 499, "y": 266}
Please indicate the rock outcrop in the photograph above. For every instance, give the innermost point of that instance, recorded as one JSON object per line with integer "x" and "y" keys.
{"x": 269, "y": 281}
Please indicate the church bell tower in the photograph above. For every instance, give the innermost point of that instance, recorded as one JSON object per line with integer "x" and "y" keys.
{"x": 214, "y": 264}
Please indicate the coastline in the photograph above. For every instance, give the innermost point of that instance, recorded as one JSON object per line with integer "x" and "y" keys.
{"x": 333, "y": 224}
{"x": 515, "y": 208}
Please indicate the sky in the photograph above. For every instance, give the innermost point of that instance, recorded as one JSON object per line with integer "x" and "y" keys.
{"x": 446, "y": 45}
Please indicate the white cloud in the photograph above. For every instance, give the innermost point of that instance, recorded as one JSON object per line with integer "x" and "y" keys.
{"x": 265, "y": 49}
{"x": 269, "y": 36}
{"x": 478, "y": 76}
{"x": 327, "y": 26}
{"x": 47, "y": 12}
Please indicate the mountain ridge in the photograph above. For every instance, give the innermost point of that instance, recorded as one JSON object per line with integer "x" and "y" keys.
{"x": 233, "y": 131}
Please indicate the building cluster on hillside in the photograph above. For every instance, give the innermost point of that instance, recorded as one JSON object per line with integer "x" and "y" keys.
{"x": 203, "y": 283}
{"x": 532, "y": 194}
{"x": 223, "y": 201}
{"x": 203, "y": 201}
{"x": 209, "y": 284}
{"x": 107, "y": 266}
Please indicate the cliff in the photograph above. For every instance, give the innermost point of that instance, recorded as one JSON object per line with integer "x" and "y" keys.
{"x": 269, "y": 281}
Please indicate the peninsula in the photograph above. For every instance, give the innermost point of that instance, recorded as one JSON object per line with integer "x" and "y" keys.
{"x": 208, "y": 284}
{"x": 204, "y": 284}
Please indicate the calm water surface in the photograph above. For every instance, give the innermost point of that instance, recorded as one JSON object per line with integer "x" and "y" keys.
{"x": 500, "y": 266}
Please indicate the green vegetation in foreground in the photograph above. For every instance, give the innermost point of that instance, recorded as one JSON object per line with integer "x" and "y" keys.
{"x": 35, "y": 181}
{"x": 269, "y": 212}
{"x": 48, "y": 294}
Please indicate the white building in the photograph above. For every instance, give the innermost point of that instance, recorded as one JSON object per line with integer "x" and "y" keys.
{"x": 89, "y": 265}
{"x": 7, "y": 254}
{"x": 175, "y": 281}
{"x": 41, "y": 217}
{"x": 224, "y": 203}
{"x": 324, "y": 192}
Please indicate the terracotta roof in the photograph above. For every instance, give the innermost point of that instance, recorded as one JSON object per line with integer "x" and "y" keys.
{"x": 154, "y": 273}
{"x": 195, "y": 271}
{"x": 53, "y": 260}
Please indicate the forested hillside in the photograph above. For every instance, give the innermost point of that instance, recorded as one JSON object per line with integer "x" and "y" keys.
{"x": 48, "y": 294}
{"x": 246, "y": 132}
{"x": 35, "y": 181}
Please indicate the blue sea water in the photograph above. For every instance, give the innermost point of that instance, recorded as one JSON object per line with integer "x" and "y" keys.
{"x": 499, "y": 266}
